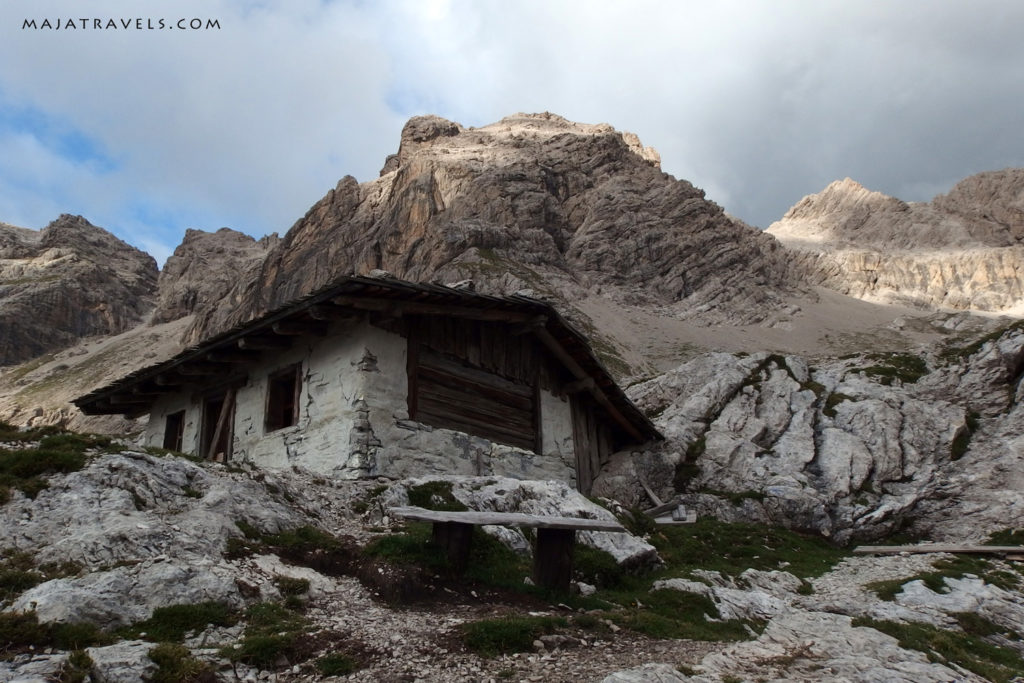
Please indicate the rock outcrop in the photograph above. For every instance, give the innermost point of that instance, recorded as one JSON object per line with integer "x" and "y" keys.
{"x": 532, "y": 201}
{"x": 962, "y": 250}
{"x": 68, "y": 281}
{"x": 204, "y": 268}
{"x": 851, "y": 448}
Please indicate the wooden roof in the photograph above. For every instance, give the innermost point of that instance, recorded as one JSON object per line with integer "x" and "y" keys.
{"x": 135, "y": 393}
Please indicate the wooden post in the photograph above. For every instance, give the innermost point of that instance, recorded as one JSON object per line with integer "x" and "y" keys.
{"x": 454, "y": 538}
{"x": 552, "y": 561}
{"x": 222, "y": 419}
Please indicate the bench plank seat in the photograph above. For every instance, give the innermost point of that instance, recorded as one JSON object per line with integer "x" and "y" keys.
{"x": 478, "y": 518}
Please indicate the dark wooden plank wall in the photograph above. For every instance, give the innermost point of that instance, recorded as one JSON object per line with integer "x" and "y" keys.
{"x": 475, "y": 377}
{"x": 592, "y": 440}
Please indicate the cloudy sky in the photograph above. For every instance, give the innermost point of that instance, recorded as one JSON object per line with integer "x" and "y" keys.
{"x": 247, "y": 122}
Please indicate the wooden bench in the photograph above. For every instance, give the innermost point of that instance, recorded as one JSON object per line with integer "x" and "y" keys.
{"x": 1009, "y": 552}
{"x": 552, "y": 558}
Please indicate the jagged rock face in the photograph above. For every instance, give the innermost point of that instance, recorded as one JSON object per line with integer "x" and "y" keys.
{"x": 833, "y": 449}
{"x": 204, "y": 268}
{"x": 962, "y": 250}
{"x": 68, "y": 281}
{"x": 531, "y": 201}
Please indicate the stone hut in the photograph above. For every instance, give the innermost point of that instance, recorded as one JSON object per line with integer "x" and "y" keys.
{"x": 379, "y": 377}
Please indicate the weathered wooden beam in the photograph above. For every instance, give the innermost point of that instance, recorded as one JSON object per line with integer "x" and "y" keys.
{"x": 939, "y": 548}
{"x": 528, "y": 326}
{"x": 328, "y": 313}
{"x": 127, "y": 401}
{"x": 296, "y": 328}
{"x": 552, "y": 562}
{"x": 222, "y": 424}
{"x": 584, "y": 384}
{"x": 552, "y": 344}
{"x": 263, "y": 344}
{"x": 198, "y": 369}
{"x": 506, "y": 519}
{"x": 419, "y": 308}
{"x": 229, "y": 356}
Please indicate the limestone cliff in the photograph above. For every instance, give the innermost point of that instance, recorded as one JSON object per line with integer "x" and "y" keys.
{"x": 68, "y": 281}
{"x": 962, "y": 250}
{"x": 532, "y": 201}
{"x": 204, "y": 268}
{"x": 857, "y": 447}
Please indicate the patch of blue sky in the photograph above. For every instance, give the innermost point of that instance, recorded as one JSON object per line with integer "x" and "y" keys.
{"x": 406, "y": 102}
{"x": 148, "y": 222}
{"x": 56, "y": 135}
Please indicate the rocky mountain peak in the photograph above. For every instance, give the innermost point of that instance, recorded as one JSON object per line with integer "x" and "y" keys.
{"x": 531, "y": 201}
{"x": 842, "y": 212}
{"x": 69, "y": 280}
{"x": 990, "y": 204}
{"x": 203, "y": 269}
{"x": 962, "y": 250}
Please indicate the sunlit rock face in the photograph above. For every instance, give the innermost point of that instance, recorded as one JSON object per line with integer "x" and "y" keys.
{"x": 532, "y": 201}
{"x": 68, "y": 281}
{"x": 962, "y": 250}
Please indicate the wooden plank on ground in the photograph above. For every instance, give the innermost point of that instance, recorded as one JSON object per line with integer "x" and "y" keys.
{"x": 506, "y": 519}
{"x": 939, "y": 548}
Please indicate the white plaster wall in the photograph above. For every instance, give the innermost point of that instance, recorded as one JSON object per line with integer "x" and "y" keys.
{"x": 354, "y": 418}
{"x": 166, "y": 405}
{"x": 332, "y": 382}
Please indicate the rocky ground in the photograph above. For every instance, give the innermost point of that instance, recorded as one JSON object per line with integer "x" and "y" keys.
{"x": 133, "y": 532}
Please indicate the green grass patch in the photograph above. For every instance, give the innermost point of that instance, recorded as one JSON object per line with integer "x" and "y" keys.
{"x": 833, "y": 400}
{"x": 18, "y": 572}
{"x": 175, "y": 664}
{"x": 736, "y": 497}
{"x": 953, "y": 354}
{"x": 56, "y": 452}
{"x": 598, "y": 567}
{"x": 905, "y": 367}
{"x": 973, "y": 653}
{"x": 678, "y": 614}
{"x": 1006, "y": 537}
{"x": 491, "y": 563}
{"x": 291, "y": 586}
{"x": 77, "y": 668}
{"x": 20, "y": 631}
{"x": 337, "y": 664}
{"x": 273, "y": 634}
{"x": 173, "y": 622}
{"x": 956, "y": 568}
{"x": 293, "y": 543}
{"x": 435, "y": 495}
{"x": 505, "y": 635}
{"x": 732, "y": 548}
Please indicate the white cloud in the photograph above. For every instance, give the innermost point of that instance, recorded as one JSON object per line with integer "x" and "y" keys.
{"x": 759, "y": 103}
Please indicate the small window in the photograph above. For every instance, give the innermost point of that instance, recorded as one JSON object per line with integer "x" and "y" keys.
{"x": 174, "y": 431}
{"x": 283, "y": 398}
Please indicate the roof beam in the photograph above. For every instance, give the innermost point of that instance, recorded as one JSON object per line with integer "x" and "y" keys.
{"x": 329, "y": 313}
{"x": 196, "y": 369}
{"x": 418, "y": 308}
{"x": 263, "y": 344}
{"x": 229, "y": 356}
{"x": 297, "y": 328}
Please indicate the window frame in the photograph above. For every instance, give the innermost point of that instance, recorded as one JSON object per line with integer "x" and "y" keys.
{"x": 274, "y": 416}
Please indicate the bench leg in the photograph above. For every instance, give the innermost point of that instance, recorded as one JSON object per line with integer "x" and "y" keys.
{"x": 552, "y": 559}
{"x": 454, "y": 539}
